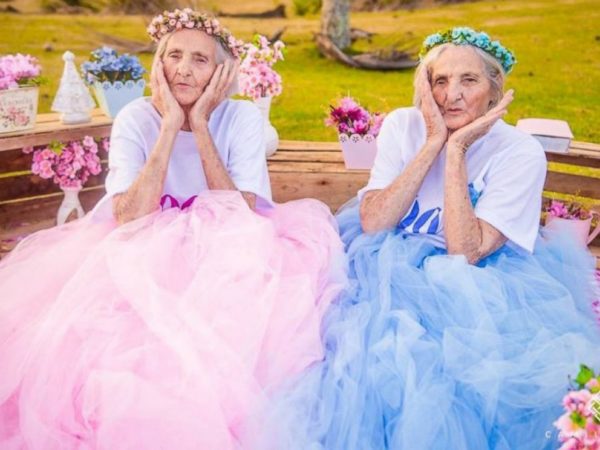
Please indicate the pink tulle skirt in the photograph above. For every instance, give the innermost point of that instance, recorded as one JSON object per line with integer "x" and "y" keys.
{"x": 167, "y": 332}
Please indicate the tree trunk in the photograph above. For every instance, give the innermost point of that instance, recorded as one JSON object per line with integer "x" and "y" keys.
{"x": 335, "y": 22}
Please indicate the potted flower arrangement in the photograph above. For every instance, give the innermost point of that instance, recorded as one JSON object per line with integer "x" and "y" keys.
{"x": 573, "y": 217}
{"x": 259, "y": 81}
{"x": 579, "y": 426}
{"x": 115, "y": 79}
{"x": 357, "y": 129}
{"x": 19, "y": 92}
{"x": 69, "y": 165}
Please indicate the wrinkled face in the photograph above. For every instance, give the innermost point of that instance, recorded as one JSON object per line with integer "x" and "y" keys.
{"x": 460, "y": 87}
{"x": 189, "y": 61}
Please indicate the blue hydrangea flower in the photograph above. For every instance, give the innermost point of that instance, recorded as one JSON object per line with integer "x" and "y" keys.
{"x": 106, "y": 65}
{"x": 468, "y": 36}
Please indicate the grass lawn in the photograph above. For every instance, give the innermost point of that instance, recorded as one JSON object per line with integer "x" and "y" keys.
{"x": 557, "y": 44}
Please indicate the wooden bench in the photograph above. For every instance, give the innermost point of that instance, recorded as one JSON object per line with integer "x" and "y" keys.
{"x": 299, "y": 169}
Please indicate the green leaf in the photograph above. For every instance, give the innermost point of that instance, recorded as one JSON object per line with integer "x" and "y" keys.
{"x": 577, "y": 419}
{"x": 585, "y": 374}
{"x": 56, "y": 147}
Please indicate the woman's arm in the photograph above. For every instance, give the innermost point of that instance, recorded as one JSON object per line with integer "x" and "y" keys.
{"x": 143, "y": 196}
{"x": 465, "y": 233}
{"x": 383, "y": 209}
{"x": 215, "y": 172}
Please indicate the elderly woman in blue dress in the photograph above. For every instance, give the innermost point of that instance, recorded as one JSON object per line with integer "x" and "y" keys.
{"x": 461, "y": 325}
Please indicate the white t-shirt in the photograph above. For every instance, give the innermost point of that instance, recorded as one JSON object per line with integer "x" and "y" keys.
{"x": 506, "y": 170}
{"x": 236, "y": 128}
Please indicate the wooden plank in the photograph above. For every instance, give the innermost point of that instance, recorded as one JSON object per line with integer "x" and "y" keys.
{"x": 580, "y": 145}
{"x": 27, "y": 186}
{"x": 311, "y": 167}
{"x": 334, "y": 189}
{"x": 98, "y": 131}
{"x": 309, "y": 146}
{"x": 595, "y": 250}
{"x": 14, "y": 216}
{"x": 573, "y": 184}
{"x": 313, "y": 156}
{"x": 584, "y": 159}
{"x": 48, "y": 131}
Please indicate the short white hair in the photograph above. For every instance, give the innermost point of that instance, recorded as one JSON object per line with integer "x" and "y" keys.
{"x": 221, "y": 55}
{"x": 492, "y": 68}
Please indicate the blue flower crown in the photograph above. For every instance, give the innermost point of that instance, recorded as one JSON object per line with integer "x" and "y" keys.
{"x": 468, "y": 36}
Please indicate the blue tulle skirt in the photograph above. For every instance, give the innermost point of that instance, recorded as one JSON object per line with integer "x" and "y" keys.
{"x": 427, "y": 352}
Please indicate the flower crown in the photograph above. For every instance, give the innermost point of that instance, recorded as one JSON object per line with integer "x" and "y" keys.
{"x": 186, "y": 18}
{"x": 468, "y": 36}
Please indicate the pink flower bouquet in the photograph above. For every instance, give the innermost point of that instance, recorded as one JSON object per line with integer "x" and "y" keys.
{"x": 567, "y": 210}
{"x": 257, "y": 78}
{"x": 68, "y": 165}
{"x": 19, "y": 78}
{"x": 350, "y": 118}
{"x": 357, "y": 129}
{"x": 579, "y": 426}
{"x": 19, "y": 70}
{"x": 573, "y": 218}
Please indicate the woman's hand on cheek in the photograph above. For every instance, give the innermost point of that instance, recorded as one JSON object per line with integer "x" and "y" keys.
{"x": 437, "y": 132}
{"x": 214, "y": 93}
{"x": 163, "y": 100}
{"x": 461, "y": 139}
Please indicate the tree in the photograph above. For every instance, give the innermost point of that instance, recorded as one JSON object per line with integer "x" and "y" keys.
{"x": 336, "y": 35}
{"x": 335, "y": 22}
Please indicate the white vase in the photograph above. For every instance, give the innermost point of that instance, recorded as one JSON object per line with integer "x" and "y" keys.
{"x": 69, "y": 204}
{"x": 579, "y": 229}
{"x": 18, "y": 108}
{"x": 358, "y": 151}
{"x": 112, "y": 97}
{"x": 271, "y": 136}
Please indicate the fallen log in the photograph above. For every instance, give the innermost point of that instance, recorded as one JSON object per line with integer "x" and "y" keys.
{"x": 369, "y": 61}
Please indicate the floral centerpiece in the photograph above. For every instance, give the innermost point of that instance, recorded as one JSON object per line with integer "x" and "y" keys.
{"x": 257, "y": 77}
{"x": 259, "y": 81}
{"x": 19, "y": 93}
{"x": 116, "y": 79}
{"x": 69, "y": 165}
{"x": 357, "y": 129}
{"x": 573, "y": 218}
{"x": 579, "y": 426}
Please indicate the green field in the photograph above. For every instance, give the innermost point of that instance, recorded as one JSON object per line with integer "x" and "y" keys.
{"x": 557, "y": 44}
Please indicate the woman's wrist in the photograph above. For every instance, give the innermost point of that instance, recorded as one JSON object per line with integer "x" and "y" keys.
{"x": 433, "y": 145}
{"x": 456, "y": 149}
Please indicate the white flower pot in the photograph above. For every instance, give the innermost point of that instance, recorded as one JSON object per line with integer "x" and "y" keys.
{"x": 18, "y": 108}
{"x": 69, "y": 205}
{"x": 358, "y": 151}
{"x": 112, "y": 97}
{"x": 578, "y": 229}
{"x": 271, "y": 136}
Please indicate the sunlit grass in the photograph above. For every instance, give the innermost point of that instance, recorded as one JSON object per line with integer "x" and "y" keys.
{"x": 556, "y": 42}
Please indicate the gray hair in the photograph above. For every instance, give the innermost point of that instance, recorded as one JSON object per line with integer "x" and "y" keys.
{"x": 221, "y": 55}
{"x": 492, "y": 68}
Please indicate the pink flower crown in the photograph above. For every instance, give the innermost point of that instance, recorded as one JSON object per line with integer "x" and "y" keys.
{"x": 178, "y": 19}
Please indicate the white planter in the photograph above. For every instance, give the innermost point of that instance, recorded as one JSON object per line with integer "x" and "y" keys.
{"x": 271, "y": 136}
{"x": 69, "y": 204}
{"x": 358, "y": 151}
{"x": 577, "y": 228}
{"x": 18, "y": 108}
{"x": 112, "y": 97}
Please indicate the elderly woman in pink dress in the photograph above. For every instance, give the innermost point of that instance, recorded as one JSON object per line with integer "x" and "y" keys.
{"x": 166, "y": 317}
